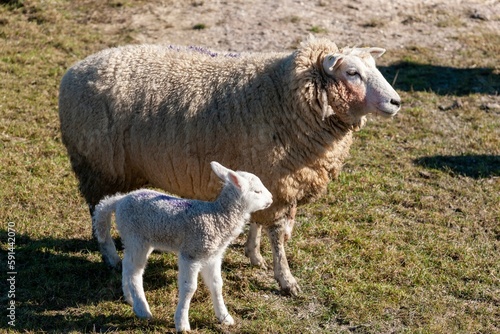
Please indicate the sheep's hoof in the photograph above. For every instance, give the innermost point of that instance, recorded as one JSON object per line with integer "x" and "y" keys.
{"x": 256, "y": 260}
{"x": 292, "y": 289}
{"x": 260, "y": 264}
{"x": 113, "y": 264}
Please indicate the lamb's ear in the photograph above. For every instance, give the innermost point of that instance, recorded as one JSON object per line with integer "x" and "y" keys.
{"x": 235, "y": 179}
{"x": 219, "y": 170}
{"x": 331, "y": 61}
{"x": 376, "y": 52}
{"x": 227, "y": 175}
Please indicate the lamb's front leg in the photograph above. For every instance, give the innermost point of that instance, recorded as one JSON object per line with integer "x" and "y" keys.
{"x": 187, "y": 281}
{"x": 252, "y": 246}
{"x": 282, "y": 274}
{"x": 212, "y": 276}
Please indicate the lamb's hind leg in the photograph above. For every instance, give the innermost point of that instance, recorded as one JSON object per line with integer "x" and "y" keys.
{"x": 188, "y": 282}
{"x": 252, "y": 246}
{"x": 211, "y": 273}
{"x": 282, "y": 274}
{"x": 134, "y": 262}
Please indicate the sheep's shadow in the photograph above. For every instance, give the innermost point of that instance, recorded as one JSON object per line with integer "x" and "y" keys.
{"x": 442, "y": 80}
{"x": 55, "y": 278}
{"x": 474, "y": 166}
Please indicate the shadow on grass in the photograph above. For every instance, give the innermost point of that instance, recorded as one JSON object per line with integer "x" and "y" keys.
{"x": 475, "y": 166}
{"x": 442, "y": 80}
{"x": 55, "y": 281}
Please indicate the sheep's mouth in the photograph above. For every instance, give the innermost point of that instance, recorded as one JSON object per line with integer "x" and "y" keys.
{"x": 387, "y": 113}
{"x": 387, "y": 110}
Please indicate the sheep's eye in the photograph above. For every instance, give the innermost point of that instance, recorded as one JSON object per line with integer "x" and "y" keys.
{"x": 352, "y": 73}
{"x": 257, "y": 191}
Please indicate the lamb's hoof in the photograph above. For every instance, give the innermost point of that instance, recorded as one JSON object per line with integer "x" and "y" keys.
{"x": 118, "y": 266}
{"x": 141, "y": 310}
{"x": 183, "y": 328}
{"x": 227, "y": 320}
{"x": 143, "y": 314}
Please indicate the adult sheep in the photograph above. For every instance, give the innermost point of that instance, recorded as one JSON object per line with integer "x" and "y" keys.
{"x": 157, "y": 115}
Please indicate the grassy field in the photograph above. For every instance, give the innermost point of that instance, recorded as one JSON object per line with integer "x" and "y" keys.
{"x": 406, "y": 241}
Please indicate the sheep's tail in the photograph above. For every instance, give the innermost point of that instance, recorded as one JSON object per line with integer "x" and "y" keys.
{"x": 101, "y": 222}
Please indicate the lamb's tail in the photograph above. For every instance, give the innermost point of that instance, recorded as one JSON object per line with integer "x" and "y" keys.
{"x": 101, "y": 222}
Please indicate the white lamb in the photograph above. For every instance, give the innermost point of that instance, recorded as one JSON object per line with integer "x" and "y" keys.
{"x": 198, "y": 231}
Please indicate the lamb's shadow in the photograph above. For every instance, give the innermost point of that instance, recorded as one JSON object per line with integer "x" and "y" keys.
{"x": 475, "y": 166}
{"x": 442, "y": 80}
{"x": 55, "y": 278}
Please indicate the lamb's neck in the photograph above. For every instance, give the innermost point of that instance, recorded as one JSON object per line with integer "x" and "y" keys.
{"x": 232, "y": 214}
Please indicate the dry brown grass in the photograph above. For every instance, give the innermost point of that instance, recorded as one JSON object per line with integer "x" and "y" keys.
{"x": 407, "y": 240}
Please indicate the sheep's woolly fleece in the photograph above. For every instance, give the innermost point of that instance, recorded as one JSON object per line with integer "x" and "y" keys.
{"x": 260, "y": 112}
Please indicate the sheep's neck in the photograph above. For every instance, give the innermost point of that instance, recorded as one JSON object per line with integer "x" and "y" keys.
{"x": 298, "y": 127}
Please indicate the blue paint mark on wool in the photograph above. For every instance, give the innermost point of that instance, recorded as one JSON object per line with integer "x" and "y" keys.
{"x": 172, "y": 201}
{"x": 204, "y": 51}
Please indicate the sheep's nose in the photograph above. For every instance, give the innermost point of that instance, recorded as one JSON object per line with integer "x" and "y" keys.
{"x": 396, "y": 102}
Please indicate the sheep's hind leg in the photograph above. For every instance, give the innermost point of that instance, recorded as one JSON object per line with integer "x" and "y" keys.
{"x": 134, "y": 262}
{"x": 211, "y": 273}
{"x": 252, "y": 246}
{"x": 188, "y": 282}
{"x": 282, "y": 273}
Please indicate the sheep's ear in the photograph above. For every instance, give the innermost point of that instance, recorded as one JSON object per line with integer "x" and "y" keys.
{"x": 376, "y": 52}
{"x": 331, "y": 61}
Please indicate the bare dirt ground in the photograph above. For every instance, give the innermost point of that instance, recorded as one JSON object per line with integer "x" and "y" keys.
{"x": 280, "y": 25}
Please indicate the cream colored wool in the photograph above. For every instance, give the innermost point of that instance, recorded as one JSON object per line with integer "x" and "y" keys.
{"x": 157, "y": 115}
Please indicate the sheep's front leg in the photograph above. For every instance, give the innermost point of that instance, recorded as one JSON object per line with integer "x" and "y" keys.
{"x": 187, "y": 281}
{"x": 252, "y": 246}
{"x": 282, "y": 274}
{"x": 212, "y": 276}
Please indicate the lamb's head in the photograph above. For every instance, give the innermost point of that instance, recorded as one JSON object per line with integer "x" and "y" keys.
{"x": 352, "y": 76}
{"x": 252, "y": 192}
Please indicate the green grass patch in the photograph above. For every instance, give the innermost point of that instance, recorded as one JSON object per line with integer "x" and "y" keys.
{"x": 317, "y": 30}
{"x": 406, "y": 240}
{"x": 199, "y": 26}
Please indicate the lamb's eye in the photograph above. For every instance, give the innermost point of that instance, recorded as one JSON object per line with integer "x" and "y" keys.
{"x": 257, "y": 191}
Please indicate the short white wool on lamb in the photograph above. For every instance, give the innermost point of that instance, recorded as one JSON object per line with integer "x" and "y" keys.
{"x": 157, "y": 115}
{"x": 199, "y": 232}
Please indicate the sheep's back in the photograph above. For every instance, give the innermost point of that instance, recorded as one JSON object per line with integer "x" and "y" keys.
{"x": 160, "y": 115}
{"x": 163, "y": 114}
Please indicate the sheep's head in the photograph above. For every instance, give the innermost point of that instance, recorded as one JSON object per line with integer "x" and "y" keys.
{"x": 352, "y": 76}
